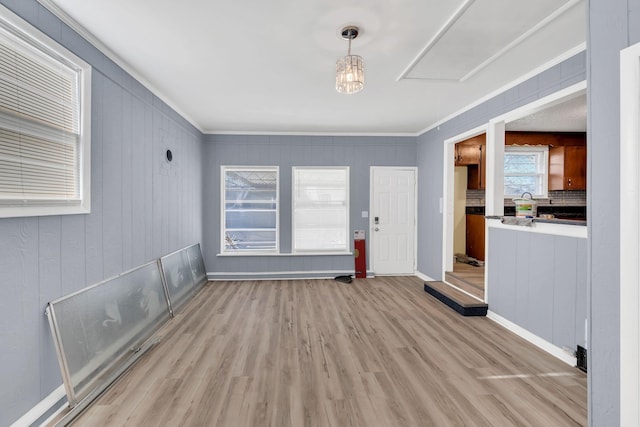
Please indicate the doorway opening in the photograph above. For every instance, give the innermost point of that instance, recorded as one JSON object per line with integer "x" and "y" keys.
{"x": 557, "y": 122}
{"x": 464, "y": 228}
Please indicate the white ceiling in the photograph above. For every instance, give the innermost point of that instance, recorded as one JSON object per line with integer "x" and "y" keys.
{"x": 566, "y": 116}
{"x": 250, "y": 66}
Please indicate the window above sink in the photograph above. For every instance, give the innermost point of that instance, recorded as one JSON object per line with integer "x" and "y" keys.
{"x": 526, "y": 171}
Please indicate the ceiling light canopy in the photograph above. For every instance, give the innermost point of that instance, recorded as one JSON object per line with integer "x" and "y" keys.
{"x": 350, "y": 68}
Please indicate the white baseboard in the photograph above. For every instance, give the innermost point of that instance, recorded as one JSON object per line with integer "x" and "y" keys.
{"x": 541, "y": 343}
{"x": 280, "y": 275}
{"x": 44, "y": 406}
{"x": 425, "y": 277}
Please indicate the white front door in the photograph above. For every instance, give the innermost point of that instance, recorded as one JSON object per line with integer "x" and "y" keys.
{"x": 392, "y": 218}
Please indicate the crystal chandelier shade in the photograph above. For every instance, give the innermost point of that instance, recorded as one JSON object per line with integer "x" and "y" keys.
{"x": 350, "y": 68}
{"x": 349, "y": 74}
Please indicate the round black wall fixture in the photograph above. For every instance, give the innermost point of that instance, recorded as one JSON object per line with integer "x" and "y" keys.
{"x": 169, "y": 155}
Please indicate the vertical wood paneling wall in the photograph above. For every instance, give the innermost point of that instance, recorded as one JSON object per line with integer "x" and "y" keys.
{"x": 359, "y": 153}
{"x": 539, "y": 282}
{"x": 142, "y": 208}
{"x": 613, "y": 26}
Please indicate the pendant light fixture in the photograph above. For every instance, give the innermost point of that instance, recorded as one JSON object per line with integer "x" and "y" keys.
{"x": 350, "y": 68}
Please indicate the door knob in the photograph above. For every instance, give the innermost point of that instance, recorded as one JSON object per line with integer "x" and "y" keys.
{"x": 376, "y": 229}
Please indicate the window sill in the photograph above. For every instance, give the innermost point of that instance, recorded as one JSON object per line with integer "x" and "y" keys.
{"x": 44, "y": 210}
{"x": 250, "y": 254}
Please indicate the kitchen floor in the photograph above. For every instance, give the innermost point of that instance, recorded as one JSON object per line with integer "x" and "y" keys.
{"x": 468, "y": 278}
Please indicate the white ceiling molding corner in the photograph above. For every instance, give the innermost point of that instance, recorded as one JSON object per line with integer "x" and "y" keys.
{"x": 285, "y": 133}
{"x": 263, "y": 81}
{"x": 109, "y": 53}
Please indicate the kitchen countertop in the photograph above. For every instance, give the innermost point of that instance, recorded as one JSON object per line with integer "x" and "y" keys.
{"x": 570, "y": 221}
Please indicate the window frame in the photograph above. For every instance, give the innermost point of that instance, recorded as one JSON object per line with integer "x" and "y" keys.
{"x": 542, "y": 151}
{"x": 223, "y": 202}
{"x": 325, "y": 251}
{"x": 21, "y": 207}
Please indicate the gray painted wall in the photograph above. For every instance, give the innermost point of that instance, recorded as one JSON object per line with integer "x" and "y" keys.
{"x": 539, "y": 282}
{"x": 42, "y": 258}
{"x": 142, "y": 208}
{"x": 431, "y": 150}
{"x": 359, "y": 153}
{"x": 613, "y": 26}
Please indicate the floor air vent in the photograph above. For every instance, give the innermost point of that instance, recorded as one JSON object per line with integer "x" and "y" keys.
{"x": 581, "y": 356}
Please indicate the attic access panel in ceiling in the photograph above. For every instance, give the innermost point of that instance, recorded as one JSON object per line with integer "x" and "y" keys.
{"x": 479, "y": 32}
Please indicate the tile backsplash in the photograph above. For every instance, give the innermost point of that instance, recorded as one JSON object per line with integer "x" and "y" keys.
{"x": 556, "y": 198}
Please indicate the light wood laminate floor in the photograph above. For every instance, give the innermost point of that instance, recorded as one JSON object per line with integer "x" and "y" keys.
{"x": 376, "y": 352}
{"x": 468, "y": 278}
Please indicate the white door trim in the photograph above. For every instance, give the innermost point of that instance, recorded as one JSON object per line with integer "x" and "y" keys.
{"x": 448, "y": 194}
{"x": 371, "y": 245}
{"x": 629, "y": 236}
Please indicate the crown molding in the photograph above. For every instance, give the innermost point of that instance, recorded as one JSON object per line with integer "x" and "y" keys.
{"x": 52, "y": 7}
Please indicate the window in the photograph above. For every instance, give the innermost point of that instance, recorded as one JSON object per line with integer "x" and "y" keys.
{"x": 320, "y": 209}
{"x": 250, "y": 209}
{"x": 526, "y": 170}
{"x": 44, "y": 124}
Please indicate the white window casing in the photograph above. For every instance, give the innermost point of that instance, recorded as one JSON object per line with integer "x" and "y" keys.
{"x": 45, "y": 124}
{"x": 526, "y": 169}
{"x": 250, "y": 210}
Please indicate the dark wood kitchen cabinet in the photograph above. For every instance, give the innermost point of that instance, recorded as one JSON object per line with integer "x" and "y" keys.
{"x": 467, "y": 154}
{"x": 568, "y": 168}
{"x": 472, "y": 155}
{"x": 475, "y": 236}
{"x": 477, "y": 174}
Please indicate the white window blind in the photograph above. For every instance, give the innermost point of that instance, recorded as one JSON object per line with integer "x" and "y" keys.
{"x": 43, "y": 143}
{"x": 320, "y": 209}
